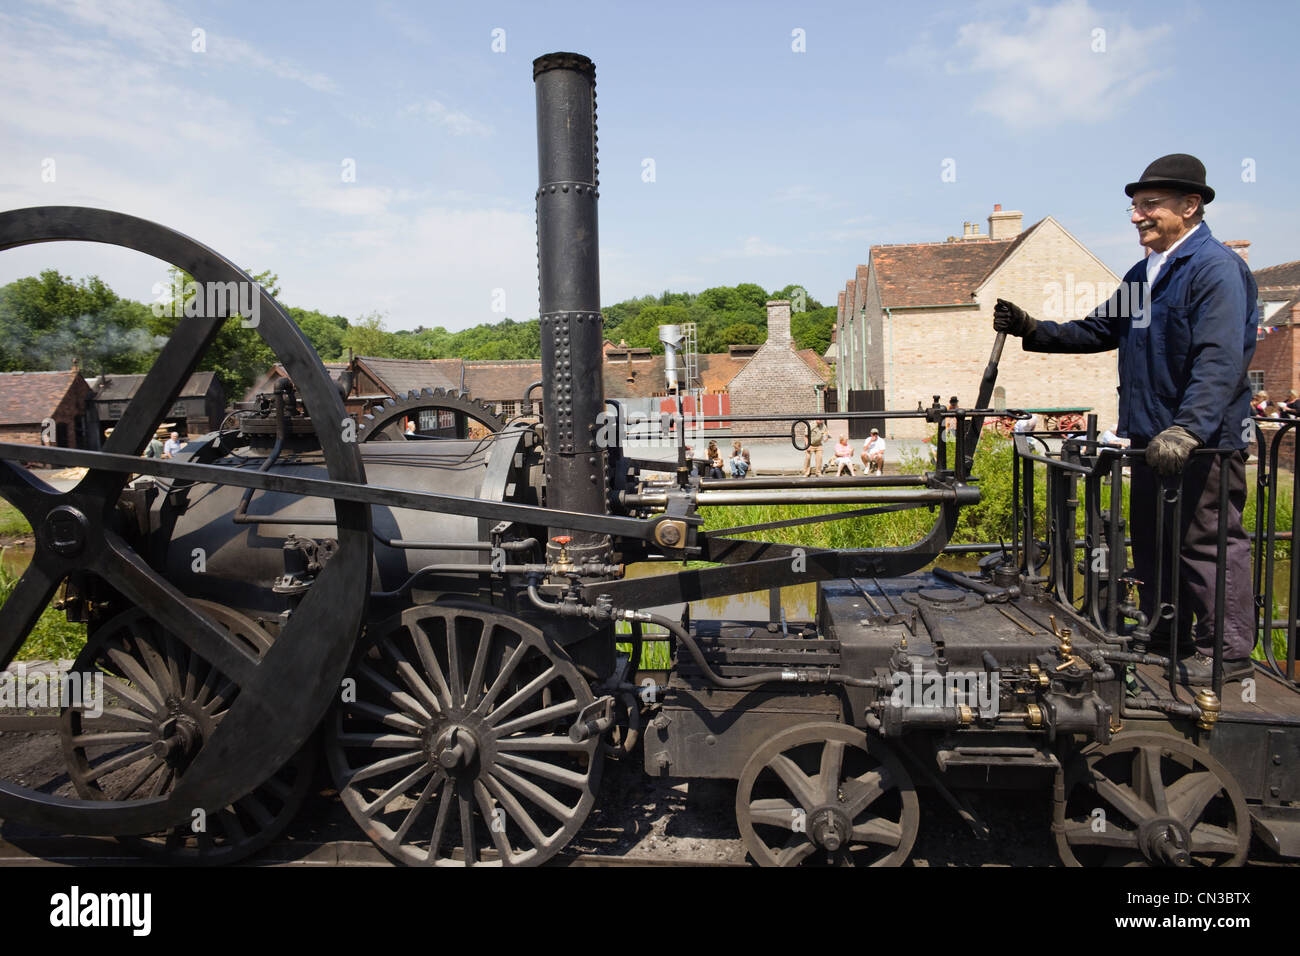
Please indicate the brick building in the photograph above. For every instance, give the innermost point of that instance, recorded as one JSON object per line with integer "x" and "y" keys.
{"x": 1276, "y": 365}
{"x": 916, "y": 320}
{"x": 47, "y": 408}
{"x": 778, "y": 380}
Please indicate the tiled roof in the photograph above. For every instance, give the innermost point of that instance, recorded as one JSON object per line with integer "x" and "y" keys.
{"x": 406, "y": 375}
{"x": 502, "y": 381}
{"x": 921, "y": 274}
{"x": 121, "y": 388}
{"x": 29, "y": 397}
{"x": 815, "y": 362}
{"x": 716, "y": 372}
{"x": 1285, "y": 275}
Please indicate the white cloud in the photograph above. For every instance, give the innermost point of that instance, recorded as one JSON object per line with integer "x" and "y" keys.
{"x": 1055, "y": 67}
{"x": 456, "y": 121}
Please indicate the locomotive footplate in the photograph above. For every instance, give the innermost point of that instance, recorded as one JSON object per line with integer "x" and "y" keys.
{"x": 959, "y": 659}
{"x": 705, "y": 731}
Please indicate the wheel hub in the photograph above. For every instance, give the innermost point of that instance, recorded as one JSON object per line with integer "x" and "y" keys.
{"x": 64, "y": 530}
{"x": 830, "y": 827}
{"x": 1165, "y": 841}
{"x": 455, "y": 747}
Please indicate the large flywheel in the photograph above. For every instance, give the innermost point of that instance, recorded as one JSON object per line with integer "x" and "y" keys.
{"x": 283, "y": 692}
{"x": 452, "y": 746}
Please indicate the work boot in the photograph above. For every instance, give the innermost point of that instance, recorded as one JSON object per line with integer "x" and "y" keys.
{"x": 1198, "y": 670}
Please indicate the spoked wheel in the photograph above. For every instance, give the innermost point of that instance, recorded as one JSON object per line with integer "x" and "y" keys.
{"x": 81, "y": 534}
{"x": 160, "y": 703}
{"x": 454, "y": 749}
{"x": 1149, "y": 799}
{"x": 826, "y": 793}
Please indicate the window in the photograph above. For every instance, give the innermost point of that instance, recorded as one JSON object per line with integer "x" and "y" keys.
{"x": 1256, "y": 378}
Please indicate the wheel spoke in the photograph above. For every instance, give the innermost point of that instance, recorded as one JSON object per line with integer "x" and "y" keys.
{"x": 533, "y": 742}
{"x": 254, "y": 807}
{"x": 440, "y": 820}
{"x": 421, "y": 802}
{"x": 520, "y": 696}
{"x": 431, "y": 666}
{"x": 1081, "y": 833}
{"x": 1123, "y": 799}
{"x": 1148, "y": 780}
{"x": 1208, "y": 838}
{"x": 139, "y": 779}
{"x": 129, "y": 667}
{"x": 456, "y": 687}
{"x": 517, "y": 813}
{"x": 774, "y": 811}
{"x": 546, "y": 771}
{"x": 384, "y": 799}
{"x": 381, "y": 741}
{"x": 878, "y": 830}
{"x": 1189, "y": 795}
{"x": 145, "y": 588}
{"x": 534, "y": 793}
{"x": 829, "y": 772}
{"x": 543, "y": 716}
{"x": 498, "y": 834}
{"x": 794, "y": 778}
{"x": 469, "y": 843}
{"x": 480, "y": 665}
{"x": 122, "y": 760}
{"x": 27, "y": 602}
{"x": 502, "y": 679}
{"x": 397, "y": 695}
{"x": 389, "y": 718}
{"x": 25, "y": 491}
{"x": 796, "y": 851}
{"x": 861, "y": 792}
{"x": 384, "y": 766}
{"x": 112, "y": 738}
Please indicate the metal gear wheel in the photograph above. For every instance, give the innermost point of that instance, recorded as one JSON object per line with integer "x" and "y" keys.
{"x": 377, "y": 424}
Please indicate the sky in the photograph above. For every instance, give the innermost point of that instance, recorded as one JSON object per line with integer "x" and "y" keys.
{"x": 381, "y": 158}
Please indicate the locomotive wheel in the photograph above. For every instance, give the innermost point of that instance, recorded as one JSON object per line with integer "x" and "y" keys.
{"x": 80, "y": 533}
{"x": 378, "y": 424}
{"x": 161, "y": 703}
{"x": 826, "y": 793}
{"x": 455, "y": 750}
{"x": 1149, "y": 799}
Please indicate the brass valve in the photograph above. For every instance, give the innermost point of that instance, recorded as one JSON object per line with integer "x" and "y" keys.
{"x": 1208, "y": 701}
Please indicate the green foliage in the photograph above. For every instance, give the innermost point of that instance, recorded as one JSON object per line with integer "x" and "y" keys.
{"x": 48, "y": 321}
{"x": 12, "y": 522}
{"x": 53, "y": 637}
{"x": 325, "y": 332}
{"x": 812, "y": 329}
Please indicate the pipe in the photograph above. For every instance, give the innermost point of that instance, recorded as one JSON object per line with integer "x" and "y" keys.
{"x": 568, "y": 261}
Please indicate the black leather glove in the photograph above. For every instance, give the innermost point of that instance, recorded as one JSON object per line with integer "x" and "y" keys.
{"x": 1168, "y": 452}
{"x": 1010, "y": 318}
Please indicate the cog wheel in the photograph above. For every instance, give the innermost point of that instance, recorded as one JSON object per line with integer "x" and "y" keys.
{"x": 383, "y": 422}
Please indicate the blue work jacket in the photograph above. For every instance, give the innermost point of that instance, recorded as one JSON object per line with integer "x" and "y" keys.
{"x": 1184, "y": 346}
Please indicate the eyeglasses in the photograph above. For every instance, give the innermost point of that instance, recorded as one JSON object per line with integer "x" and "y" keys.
{"x": 1146, "y": 205}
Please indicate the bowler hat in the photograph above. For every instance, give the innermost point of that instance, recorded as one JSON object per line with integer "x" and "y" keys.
{"x": 1179, "y": 170}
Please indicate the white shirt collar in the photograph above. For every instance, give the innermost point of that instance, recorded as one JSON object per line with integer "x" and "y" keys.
{"x": 1156, "y": 261}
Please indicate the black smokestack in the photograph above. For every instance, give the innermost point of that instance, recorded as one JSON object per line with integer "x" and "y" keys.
{"x": 568, "y": 255}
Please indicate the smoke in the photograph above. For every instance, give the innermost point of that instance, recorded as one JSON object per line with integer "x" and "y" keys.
{"x": 99, "y": 343}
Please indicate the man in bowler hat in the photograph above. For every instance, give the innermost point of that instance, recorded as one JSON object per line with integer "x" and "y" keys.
{"x": 1184, "y": 347}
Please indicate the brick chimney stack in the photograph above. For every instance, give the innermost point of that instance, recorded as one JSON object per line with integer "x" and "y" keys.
{"x": 1241, "y": 247}
{"x": 778, "y": 323}
{"x": 1005, "y": 225}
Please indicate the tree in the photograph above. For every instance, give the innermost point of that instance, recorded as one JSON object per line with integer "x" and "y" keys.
{"x": 368, "y": 336}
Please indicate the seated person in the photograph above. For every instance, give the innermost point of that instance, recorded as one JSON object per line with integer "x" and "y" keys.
{"x": 739, "y": 463}
{"x": 873, "y": 454}
{"x": 714, "y": 467}
{"x": 843, "y": 456}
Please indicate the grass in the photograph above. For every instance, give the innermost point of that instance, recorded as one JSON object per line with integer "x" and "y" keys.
{"x": 53, "y": 637}
{"x": 12, "y": 523}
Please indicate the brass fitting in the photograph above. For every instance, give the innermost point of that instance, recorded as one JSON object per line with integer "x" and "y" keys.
{"x": 965, "y": 715}
{"x": 1033, "y": 716}
{"x": 1208, "y": 701}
